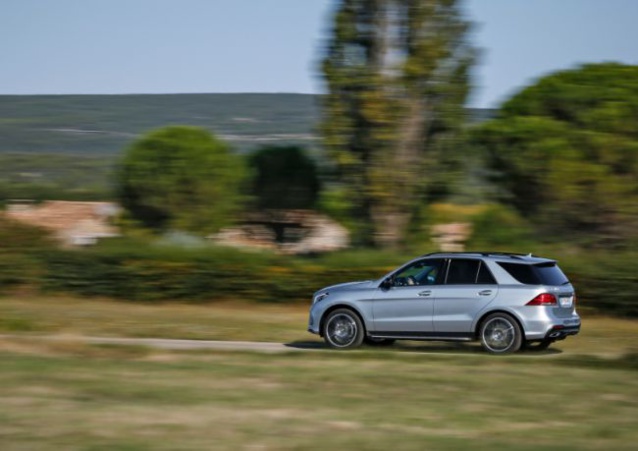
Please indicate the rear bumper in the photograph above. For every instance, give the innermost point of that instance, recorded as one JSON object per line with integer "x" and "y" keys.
{"x": 561, "y": 332}
{"x": 542, "y": 323}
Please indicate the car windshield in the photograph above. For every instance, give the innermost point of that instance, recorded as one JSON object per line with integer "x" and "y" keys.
{"x": 539, "y": 274}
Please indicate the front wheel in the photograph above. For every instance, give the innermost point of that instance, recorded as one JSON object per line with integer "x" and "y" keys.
{"x": 501, "y": 334}
{"x": 343, "y": 330}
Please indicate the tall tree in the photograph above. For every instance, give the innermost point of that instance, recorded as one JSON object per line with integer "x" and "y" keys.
{"x": 564, "y": 152}
{"x": 180, "y": 178}
{"x": 397, "y": 79}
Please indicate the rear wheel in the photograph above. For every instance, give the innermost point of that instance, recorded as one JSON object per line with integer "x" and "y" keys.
{"x": 501, "y": 334}
{"x": 343, "y": 329}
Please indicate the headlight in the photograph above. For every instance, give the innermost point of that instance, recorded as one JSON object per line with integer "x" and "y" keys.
{"x": 321, "y": 297}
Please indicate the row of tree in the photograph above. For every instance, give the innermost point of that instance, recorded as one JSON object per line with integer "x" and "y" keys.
{"x": 563, "y": 153}
{"x": 184, "y": 178}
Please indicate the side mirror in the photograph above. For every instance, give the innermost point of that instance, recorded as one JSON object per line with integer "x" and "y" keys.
{"x": 387, "y": 283}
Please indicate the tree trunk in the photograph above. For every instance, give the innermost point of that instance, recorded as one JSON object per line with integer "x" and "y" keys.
{"x": 391, "y": 215}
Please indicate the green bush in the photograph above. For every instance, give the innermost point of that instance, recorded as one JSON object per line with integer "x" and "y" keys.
{"x": 129, "y": 270}
{"x": 16, "y": 237}
{"x": 146, "y": 277}
{"x": 19, "y": 244}
{"x": 605, "y": 282}
{"x": 16, "y": 270}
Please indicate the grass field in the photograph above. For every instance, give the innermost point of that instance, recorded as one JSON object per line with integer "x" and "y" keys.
{"x": 235, "y": 321}
{"x": 220, "y": 321}
{"x": 73, "y": 396}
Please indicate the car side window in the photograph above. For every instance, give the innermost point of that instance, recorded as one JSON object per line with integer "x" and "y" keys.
{"x": 462, "y": 271}
{"x": 423, "y": 272}
{"x": 485, "y": 276}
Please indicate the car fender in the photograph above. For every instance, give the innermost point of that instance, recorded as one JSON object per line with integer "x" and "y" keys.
{"x": 489, "y": 309}
{"x": 334, "y": 304}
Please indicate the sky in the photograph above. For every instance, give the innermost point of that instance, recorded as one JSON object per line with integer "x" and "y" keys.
{"x": 183, "y": 46}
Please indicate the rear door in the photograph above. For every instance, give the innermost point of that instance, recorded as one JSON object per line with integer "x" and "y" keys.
{"x": 468, "y": 288}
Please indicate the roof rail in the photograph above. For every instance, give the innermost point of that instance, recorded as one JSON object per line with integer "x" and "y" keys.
{"x": 485, "y": 253}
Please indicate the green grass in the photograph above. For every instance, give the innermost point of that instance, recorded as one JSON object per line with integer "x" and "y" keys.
{"x": 96, "y": 398}
{"x": 233, "y": 320}
{"x": 63, "y": 394}
{"x": 99, "y": 317}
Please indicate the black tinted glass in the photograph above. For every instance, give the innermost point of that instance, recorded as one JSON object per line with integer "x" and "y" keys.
{"x": 522, "y": 273}
{"x": 462, "y": 271}
{"x": 550, "y": 274}
{"x": 485, "y": 277}
{"x": 540, "y": 274}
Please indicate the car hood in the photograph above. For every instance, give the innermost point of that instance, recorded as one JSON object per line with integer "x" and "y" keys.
{"x": 349, "y": 286}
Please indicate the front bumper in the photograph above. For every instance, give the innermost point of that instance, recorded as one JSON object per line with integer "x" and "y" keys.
{"x": 313, "y": 321}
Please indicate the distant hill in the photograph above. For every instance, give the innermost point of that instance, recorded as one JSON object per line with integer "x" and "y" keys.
{"x": 105, "y": 124}
{"x": 65, "y": 146}
{"x": 102, "y": 125}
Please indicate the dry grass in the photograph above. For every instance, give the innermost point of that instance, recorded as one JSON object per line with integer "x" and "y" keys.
{"x": 240, "y": 321}
{"x": 98, "y": 399}
{"x": 99, "y": 317}
{"x": 65, "y": 394}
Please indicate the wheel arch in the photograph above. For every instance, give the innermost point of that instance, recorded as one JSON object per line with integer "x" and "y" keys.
{"x": 332, "y": 308}
{"x": 481, "y": 320}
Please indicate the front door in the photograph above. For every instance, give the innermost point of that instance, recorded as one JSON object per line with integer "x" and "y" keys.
{"x": 408, "y": 304}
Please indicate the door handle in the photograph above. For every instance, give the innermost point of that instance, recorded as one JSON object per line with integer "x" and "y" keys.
{"x": 485, "y": 292}
{"x": 425, "y": 293}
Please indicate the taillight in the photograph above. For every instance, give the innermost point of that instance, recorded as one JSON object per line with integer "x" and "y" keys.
{"x": 543, "y": 299}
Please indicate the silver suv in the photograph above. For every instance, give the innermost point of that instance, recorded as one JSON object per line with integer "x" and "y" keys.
{"x": 507, "y": 301}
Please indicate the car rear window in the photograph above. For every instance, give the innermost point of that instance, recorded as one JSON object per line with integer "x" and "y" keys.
{"x": 468, "y": 272}
{"x": 550, "y": 274}
{"x": 540, "y": 274}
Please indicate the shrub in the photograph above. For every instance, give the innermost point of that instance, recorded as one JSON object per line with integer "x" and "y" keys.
{"x": 19, "y": 243}
{"x": 146, "y": 277}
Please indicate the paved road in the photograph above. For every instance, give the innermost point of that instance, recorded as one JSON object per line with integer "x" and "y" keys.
{"x": 163, "y": 343}
{"x": 174, "y": 344}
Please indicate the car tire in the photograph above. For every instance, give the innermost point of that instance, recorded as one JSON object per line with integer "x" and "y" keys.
{"x": 343, "y": 329}
{"x": 501, "y": 334}
{"x": 370, "y": 341}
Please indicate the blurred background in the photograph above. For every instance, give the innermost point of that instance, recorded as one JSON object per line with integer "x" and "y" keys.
{"x": 416, "y": 126}
{"x": 189, "y": 155}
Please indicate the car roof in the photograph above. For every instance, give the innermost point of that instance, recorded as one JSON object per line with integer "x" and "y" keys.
{"x": 510, "y": 257}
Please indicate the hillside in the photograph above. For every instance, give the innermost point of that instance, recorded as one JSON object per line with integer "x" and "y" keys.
{"x": 64, "y": 146}
{"x": 104, "y": 124}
